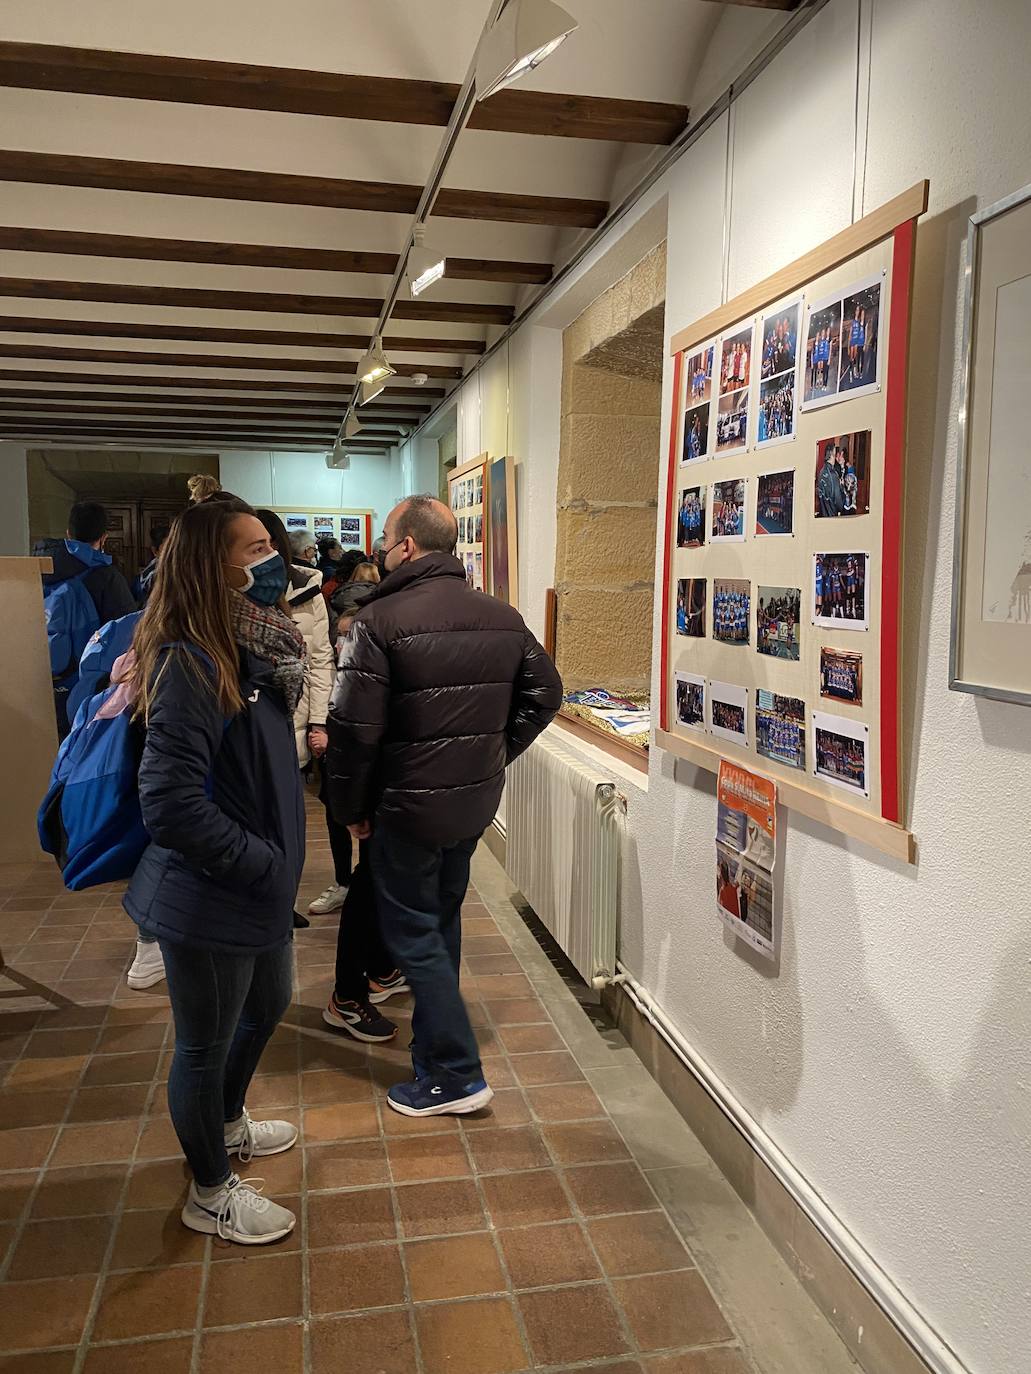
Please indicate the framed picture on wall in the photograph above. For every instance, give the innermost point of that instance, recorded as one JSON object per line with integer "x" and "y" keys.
{"x": 990, "y": 651}
{"x": 504, "y": 566}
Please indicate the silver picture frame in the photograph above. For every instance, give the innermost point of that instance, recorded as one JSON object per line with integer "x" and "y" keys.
{"x": 976, "y": 224}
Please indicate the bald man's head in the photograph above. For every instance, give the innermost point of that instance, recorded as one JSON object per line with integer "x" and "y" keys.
{"x": 425, "y": 523}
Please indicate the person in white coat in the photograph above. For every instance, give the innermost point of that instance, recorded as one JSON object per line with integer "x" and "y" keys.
{"x": 307, "y": 605}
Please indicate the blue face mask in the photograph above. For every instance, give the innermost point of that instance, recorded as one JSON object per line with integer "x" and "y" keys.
{"x": 266, "y": 580}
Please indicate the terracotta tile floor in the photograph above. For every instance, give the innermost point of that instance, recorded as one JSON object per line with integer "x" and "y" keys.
{"x": 524, "y": 1238}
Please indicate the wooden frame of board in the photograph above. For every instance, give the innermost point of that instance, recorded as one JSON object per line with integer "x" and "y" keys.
{"x": 475, "y": 548}
{"x": 880, "y": 245}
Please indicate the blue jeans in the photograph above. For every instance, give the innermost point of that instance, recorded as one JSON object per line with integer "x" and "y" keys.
{"x": 226, "y": 1007}
{"x": 419, "y": 895}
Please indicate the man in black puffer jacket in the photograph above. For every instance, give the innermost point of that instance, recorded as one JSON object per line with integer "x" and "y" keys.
{"x": 440, "y": 688}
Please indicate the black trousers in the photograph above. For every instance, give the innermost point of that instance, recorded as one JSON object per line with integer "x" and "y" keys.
{"x": 361, "y": 953}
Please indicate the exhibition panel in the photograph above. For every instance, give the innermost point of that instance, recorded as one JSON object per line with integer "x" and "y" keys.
{"x": 783, "y": 545}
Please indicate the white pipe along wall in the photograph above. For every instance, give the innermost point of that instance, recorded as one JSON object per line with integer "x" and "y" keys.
{"x": 885, "y": 1057}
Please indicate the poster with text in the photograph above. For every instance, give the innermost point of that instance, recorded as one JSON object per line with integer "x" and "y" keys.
{"x": 746, "y": 852}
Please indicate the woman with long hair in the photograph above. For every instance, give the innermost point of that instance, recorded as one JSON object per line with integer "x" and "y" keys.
{"x": 219, "y": 669}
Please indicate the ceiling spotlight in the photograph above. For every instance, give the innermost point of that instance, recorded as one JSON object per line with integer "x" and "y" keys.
{"x": 419, "y": 378}
{"x": 374, "y": 365}
{"x": 352, "y": 426}
{"x": 424, "y": 266}
{"x": 527, "y": 33}
{"x": 338, "y": 458}
{"x": 368, "y": 391}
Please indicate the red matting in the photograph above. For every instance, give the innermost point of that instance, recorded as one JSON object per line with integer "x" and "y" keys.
{"x": 368, "y": 534}
{"x": 667, "y": 554}
{"x": 904, "y": 239}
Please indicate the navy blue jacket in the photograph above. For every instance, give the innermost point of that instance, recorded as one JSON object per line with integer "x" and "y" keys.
{"x": 225, "y": 812}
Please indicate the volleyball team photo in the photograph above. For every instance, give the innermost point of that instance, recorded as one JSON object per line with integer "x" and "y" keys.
{"x": 840, "y": 590}
{"x": 691, "y": 518}
{"x": 777, "y": 614}
{"x": 728, "y": 510}
{"x": 842, "y": 475}
{"x": 731, "y": 610}
{"x": 775, "y": 503}
{"x": 691, "y": 593}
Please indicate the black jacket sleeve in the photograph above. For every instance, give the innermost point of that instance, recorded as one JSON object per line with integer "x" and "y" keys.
{"x": 358, "y": 712}
{"x": 537, "y": 698}
{"x": 184, "y": 733}
{"x": 111, "y": 594}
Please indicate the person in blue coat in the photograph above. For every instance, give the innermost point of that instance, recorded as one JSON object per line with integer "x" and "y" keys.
{"x": 219, "y": 669}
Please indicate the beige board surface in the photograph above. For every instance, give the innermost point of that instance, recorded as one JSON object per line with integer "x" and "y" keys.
{"x": 779, "y": 561}
{"x": 27, "y": 709}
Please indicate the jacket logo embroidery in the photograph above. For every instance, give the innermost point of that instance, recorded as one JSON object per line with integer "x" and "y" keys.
{"x": 254, "y": 695}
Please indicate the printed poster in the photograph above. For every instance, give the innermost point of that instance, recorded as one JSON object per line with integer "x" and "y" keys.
{"x": 746, "y": 852}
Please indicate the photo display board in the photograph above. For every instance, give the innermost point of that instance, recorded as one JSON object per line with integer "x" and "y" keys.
{"x": 783, "y": 532}
{"x": 469, "y": 498}
{"x": 353, "y": 528}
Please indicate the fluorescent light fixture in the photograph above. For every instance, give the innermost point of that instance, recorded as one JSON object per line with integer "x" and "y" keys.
{"x": 352, "y": 426}
{"x": 370, "y": 390}
{"x": 425, "y": 266}
{"x": 375, "y": 365}
{"x": 525, "y": 35}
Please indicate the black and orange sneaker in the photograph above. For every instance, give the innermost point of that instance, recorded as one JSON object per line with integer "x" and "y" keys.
{"x": 359, "y": 1020}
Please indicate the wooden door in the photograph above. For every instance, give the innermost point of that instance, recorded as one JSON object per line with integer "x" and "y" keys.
{"x": 123, "y": 542}
{"x": 155, "y": 518}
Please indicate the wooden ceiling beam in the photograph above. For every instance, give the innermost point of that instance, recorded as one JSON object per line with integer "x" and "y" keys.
{"x": 208, "y": 383}
{"x": 281, "y": 338}
{"x": 290, "y": 188}
{"x": 78, "y": 243}
{"x": 279, "y": 302}
{"x": 234, "y": 85}
{"x": 785, "y": 5}
{"x": 229, "y": 361}
{"x": 256, "y": 405}
{"x": 258, "y": 437}
{"x": 374, "y": 425}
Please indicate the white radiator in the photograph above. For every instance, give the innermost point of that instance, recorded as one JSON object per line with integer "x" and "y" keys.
{"x": 563, "y": 832}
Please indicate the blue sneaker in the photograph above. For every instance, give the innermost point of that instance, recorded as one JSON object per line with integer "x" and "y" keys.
{"x": 439, "y": 1097}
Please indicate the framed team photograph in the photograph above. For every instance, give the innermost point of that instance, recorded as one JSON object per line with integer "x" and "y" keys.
{"x": 780, "y": 340}
{"x": 732, "y": 422}
{"x": 841, "y": 675}
{"x": 777, "y": 613}
{"x": 728, "y": 712}
{"x": 840, "y": 752}
{"x": 736, "y": 361}
{"x": 478, "y": 529}
{"x": 843, "y": 475}
{"x": 696, "y": 434}
{"x": 699, "y": 376}
{"x": 728, "y": 511}
{"x": 478, "y": 489}
{"x": 691, "y": 518}
{"x": 731, "y": 610}
{"x": 822, "y": 353}
{"x": 775, "y": 422}
{"x": 691, "y": 700}
{"x": 841, "y": 591}
{"x": 780, "y": 728}
{"x": 691, "y": 593}
{"x": 775, "y": 504}
{"x": 860, "y": 317}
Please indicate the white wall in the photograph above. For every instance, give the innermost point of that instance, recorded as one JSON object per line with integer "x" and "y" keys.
{"x": 887, "y": 1056}
{"x": 373, "y": 481}
{"x": 14, "y": 507}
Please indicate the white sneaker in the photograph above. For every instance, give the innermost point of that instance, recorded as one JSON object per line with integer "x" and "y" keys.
{"x": 253, "y": 1139}
{"x": 238, "y": 1212}
{"x": 330, "y": 900}
{"x": 148, "y": 967}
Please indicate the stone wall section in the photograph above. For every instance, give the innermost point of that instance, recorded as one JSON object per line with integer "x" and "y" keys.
{"x": 608, "y": 483}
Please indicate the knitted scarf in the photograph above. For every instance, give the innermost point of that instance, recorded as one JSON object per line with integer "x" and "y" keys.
{"x": 272, "y": 636}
